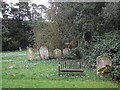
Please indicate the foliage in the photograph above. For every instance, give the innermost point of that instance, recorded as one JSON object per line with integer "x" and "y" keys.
{"x": 71, "y": 21}
{"x": 20, "y": 16}
{"x": 108, "y": 43}
{"x": 16, "y": 30}
{"x": 19, "y": 35}
{"x": 46, "y": 35}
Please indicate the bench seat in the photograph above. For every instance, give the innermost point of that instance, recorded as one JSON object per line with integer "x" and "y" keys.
{"x": 70, "y": 66}
{"x": 71, "y": 70}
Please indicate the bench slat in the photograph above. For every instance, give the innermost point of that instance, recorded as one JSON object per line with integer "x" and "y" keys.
{"x": 71, "y": 70}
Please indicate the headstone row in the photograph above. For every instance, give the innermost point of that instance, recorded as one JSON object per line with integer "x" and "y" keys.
{"x": 44, "y": 53}
{"x": 103, "y": 63}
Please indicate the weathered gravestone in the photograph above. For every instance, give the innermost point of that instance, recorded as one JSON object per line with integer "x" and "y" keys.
{"x": 66, "y": 51}
{"x": 57, "y": 53}
{"x": 20, "y": 49}
{"x": 104, "y": 65}
{"x": 44, "y": 54}
{"x": 30, "y": 53}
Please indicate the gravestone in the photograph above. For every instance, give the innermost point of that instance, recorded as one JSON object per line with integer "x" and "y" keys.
{"x": 30, "y": 53}
{"x": 66, "y": 51}
{"x": 20, "y": 49}
{"x": 43, "y": 51}
{"x": 57, "y": 53}
{"x": 12, "y": 66}
{"x": 104, "y": 63}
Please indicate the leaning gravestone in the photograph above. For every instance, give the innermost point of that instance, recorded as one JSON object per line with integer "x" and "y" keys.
{"x": 104, "y": 65}
{"x": 66, "y": 51}
{"x": 30, "y": 53}
{"x": 43, "y": 51}
{"x": 57, "y": 53}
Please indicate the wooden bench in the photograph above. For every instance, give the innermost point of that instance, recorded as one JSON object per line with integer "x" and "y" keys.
{"x": 70, "y": 66}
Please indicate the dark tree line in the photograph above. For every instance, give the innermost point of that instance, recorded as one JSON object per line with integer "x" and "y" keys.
{"x": 17, "y": 24}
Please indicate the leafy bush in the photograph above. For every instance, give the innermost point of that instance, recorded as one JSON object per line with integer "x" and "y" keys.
{"x": 108, "y": 44}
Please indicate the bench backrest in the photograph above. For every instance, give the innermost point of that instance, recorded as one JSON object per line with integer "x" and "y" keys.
{"x": 70, "y": 64}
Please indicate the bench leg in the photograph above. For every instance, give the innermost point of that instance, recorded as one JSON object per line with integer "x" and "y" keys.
{"x": 58, "y": 73}
{"x": 59, "y": 69}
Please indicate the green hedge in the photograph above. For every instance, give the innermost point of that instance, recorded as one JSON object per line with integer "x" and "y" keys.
{"x": 108, "y": 43}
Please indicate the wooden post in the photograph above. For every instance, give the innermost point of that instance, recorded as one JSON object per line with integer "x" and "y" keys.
{"x": 59, "y": 69}
{"x": 65, "y": 65}
{"x": 80, "y": 64}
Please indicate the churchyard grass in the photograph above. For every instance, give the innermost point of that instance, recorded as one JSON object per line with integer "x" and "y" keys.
{"x": 44, "y": 74}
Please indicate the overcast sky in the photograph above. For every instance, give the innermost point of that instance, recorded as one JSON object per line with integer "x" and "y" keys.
{"x": 44, "y": 2}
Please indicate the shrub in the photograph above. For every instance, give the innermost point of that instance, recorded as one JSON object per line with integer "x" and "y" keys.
{"x": 108, "y": 43}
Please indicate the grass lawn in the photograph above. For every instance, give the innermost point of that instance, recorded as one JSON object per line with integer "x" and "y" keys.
{"x": 44, "y": 74}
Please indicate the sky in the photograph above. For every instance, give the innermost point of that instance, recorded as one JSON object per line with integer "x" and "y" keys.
{"x": 44, "y": 2}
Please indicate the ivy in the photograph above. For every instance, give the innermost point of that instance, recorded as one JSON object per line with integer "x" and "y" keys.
{"x": 108, "y": 44}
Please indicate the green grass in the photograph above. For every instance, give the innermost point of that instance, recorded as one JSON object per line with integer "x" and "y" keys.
{"x": 44, "y": 74}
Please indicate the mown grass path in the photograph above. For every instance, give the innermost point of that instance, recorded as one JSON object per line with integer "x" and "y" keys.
{"x": 44, "y": 74}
